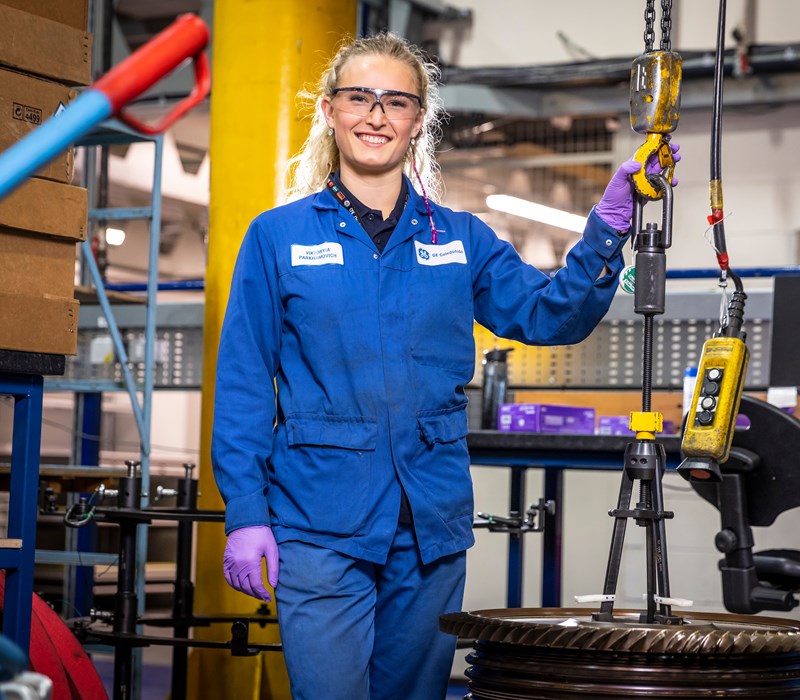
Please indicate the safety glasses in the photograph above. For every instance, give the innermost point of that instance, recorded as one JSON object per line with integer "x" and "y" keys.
{"x": 362, "y": 100}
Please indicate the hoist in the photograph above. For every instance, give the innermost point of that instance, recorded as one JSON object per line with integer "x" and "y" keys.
{"x": 655, "y": 99}
{"x": 710, "y": 422}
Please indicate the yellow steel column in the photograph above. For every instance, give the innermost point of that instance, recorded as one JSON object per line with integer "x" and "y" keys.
{"x": 264, "y": 51}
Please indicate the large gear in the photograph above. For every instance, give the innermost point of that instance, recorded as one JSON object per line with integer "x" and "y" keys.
{"x": 573, "y": 628}
{"x": 563, "y": 653}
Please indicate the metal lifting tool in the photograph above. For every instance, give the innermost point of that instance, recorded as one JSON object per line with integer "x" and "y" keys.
{"x": 655, "y": 100}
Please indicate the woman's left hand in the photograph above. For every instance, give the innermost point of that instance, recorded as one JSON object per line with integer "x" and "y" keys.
{"x": 616, "y": 205}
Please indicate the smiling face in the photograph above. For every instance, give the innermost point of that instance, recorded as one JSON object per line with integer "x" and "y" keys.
{"x": 372, "y": 144}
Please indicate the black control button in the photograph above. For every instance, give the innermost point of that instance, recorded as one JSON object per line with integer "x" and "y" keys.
{"x": 705, "y": 418}
{"x": 708, "y": 403}
{"x": 711, "y": 388}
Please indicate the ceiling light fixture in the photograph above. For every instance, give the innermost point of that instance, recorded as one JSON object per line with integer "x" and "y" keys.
{"x": 115, "y": 236}
{"x": 536, "y": 212}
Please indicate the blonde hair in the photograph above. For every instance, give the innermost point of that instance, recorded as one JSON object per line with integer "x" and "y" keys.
{"x": 319, "y": 156}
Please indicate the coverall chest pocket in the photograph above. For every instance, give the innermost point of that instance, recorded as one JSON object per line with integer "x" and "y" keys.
{"x": 441, "y": 317}
{"x": 326, "y": 472}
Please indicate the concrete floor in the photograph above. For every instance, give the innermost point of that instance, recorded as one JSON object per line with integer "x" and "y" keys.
{"x": 157, "y": 680}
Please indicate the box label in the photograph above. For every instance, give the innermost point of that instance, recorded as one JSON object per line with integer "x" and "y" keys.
{"x": 25, "y": 113}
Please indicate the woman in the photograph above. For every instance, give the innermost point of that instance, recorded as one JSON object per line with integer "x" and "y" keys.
{"x": 358, "y": 299}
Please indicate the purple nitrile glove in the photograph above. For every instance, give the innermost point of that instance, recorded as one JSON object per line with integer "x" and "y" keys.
{"x": 616, "y": 205}
{"x": 246, "y": 547}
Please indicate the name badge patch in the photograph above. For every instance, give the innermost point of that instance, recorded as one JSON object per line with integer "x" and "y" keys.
{"x": 322, "y": 254}
{"x": 441, "y": 254}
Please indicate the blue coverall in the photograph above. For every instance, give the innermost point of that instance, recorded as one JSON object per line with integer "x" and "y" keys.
{"x": 370, "y": 353}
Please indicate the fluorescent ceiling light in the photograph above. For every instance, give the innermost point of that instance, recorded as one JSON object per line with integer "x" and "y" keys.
{"x": 536, "y": 212}
{"x": 115, "y": 236}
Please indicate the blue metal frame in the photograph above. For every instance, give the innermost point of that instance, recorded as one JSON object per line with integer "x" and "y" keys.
{"x": 172, "y": 286}
{"x": 554, "y": 461}
{"x": 713, "y": 273}
{"x": 85, "y": 538}
{"x": 23, "y": 499}
{"x": 110, "y": 133}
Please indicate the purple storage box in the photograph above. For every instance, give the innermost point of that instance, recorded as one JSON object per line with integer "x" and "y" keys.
{"x": 618, "y": 425}
{"x": 613, "y": 425}
{"x": 545, "y": 418}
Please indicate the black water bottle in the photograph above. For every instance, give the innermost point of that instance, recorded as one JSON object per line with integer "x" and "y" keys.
{"x": 495, "y": 385}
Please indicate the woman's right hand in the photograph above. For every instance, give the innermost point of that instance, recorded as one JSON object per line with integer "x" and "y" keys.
{"x": 616, "y": 205}
{"x": 246, "y": 547}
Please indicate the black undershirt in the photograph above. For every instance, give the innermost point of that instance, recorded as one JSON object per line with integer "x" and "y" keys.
{"x": 379, "y": 230}
{"x": 372, "y": 221}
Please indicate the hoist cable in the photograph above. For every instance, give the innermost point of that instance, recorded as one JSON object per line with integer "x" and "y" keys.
{"x": 715, "y": 181}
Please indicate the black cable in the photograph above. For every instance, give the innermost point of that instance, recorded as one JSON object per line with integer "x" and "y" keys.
{"x": 715, "y": 182}
{"x": 716, "y": 139}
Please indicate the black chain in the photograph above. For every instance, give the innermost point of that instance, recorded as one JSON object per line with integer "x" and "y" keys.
{"x": 649, "y": 21}
{"x": 666, "y": 25}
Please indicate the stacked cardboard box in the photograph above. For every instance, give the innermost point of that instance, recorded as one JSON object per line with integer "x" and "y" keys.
{"x": 45, "y": 52}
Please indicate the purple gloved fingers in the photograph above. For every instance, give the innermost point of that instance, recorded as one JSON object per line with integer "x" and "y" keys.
{"x": 653, "y": 166}
{"x": 616, "y": 205}
{"x": 253, "y": 585}
{"x": 245, "y": 549}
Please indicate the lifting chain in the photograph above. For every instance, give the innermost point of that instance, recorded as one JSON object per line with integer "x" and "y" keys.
{"x": 649, "y": 24}
{"x": 655, "y": 98}
{"x": 649, "y": 21}
{"x": 666, "y": 25}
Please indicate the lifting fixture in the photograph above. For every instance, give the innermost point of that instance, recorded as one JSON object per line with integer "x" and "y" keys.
{"x": 655, "y": 108}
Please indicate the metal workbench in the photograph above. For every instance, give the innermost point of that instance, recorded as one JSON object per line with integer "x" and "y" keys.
{"x": 554, "y": 454}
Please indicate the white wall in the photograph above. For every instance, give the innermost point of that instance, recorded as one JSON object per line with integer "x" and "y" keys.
{"x": 525, "y": 32}
{"x": 759, "y": 187}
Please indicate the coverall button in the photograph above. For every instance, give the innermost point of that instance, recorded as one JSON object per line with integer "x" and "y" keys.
{"x": 342, "y": 224}
{"x": 375, "y": 256}
{"x": 414, "y": 222}
{"x": 609, "y": 242}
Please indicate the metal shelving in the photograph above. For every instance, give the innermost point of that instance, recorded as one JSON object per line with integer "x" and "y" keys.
{"x": 135, "y": 378}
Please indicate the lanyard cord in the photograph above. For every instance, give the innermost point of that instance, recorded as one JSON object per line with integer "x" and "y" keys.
{"x": 347, "y": 204}
{"x": 434, "y": 232}
{"x": 336, "y": 192}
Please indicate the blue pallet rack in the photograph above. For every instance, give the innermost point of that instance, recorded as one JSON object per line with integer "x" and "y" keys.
{"x": 17, "y": 550}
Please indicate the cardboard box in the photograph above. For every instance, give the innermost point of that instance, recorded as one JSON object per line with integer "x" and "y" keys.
{"x": 36, "y": 265}
{"x": 40, "y": 223}
{"x": 545, "y": 418}
{"x": 54, "y": 331}
{"x": 74, "y": 13}
{"x": 27, "y": 101}
{"x": 39, "y": 226}
{"x": 34, "y": 44}
{"x": 47, "y": 207}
